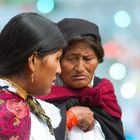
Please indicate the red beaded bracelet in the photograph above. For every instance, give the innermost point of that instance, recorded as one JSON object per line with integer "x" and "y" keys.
{"x": 71, "y": 119}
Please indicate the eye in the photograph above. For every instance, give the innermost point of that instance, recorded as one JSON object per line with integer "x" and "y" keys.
{"x": 88, "y": 58}
{"x": 59, "y": 58}
{"x": 71, "y": 58}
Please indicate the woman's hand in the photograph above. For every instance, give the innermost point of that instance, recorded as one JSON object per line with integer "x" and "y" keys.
{"x": 84, "y": 116}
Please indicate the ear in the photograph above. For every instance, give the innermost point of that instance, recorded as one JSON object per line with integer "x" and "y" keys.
{"x": 32, "y": 61}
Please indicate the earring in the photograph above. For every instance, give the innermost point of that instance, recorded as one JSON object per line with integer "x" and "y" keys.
{"x": 32, "y": 77}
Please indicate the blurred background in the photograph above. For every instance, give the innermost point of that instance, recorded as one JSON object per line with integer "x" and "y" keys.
{"x": 119, "y": 24}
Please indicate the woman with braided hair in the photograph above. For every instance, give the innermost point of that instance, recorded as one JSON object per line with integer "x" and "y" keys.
{"x": 30, "y": 50}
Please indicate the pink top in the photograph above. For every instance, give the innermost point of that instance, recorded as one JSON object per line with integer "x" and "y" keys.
{"x": 15, "y": 122}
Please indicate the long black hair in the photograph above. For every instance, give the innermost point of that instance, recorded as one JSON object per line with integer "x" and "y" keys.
{"x": 22, "y": 36}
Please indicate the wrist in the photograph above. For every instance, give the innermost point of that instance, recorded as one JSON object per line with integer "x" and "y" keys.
{"x": 72, "y": 119}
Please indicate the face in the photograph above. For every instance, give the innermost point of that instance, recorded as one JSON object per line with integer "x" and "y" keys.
{"x": 78, "y": 65}
{"x": 45, "y": 71}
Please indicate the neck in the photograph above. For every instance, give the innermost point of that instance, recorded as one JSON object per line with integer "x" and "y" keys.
{"x": 19, "y": 85}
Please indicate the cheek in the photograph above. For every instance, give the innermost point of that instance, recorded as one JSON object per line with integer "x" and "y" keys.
{"x": 47, "y": 73}
{"x": 66, "y": 68}
{"x": 51, "y": 71}
{"x": 66, "y": 71}
{"x": 91, "y": 69}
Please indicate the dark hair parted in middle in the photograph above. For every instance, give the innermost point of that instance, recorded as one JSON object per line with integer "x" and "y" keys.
{"x": 76, "y": 30}
{"x": 22, "y": 36}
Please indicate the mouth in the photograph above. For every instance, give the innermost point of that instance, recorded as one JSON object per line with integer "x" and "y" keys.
{"x": 79, "y": 77}
{"x": 53, "y": 82}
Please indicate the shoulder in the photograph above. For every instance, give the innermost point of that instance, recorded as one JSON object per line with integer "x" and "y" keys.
{"x": 12, "y": 104}
{"x": 52, "y": 111}
{"x": 46, "y": 105}
{"x": 14, "y": 115}
{"x": 100, "y": 82}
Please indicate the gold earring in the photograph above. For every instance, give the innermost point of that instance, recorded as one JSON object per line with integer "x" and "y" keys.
{"x": 32, "y": 77}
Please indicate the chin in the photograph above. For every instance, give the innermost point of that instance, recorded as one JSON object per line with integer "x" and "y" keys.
{"x": 48, "y": 91}
{"x": 78, "y": 86}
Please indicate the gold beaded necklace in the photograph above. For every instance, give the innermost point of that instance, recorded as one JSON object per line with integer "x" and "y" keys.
{"x": 20, "y": 91}
{"x": 34, "y": 105}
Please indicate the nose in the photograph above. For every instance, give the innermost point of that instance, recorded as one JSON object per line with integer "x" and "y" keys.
{"x": 58, "y": 70}
{"x": 80, "y": 66}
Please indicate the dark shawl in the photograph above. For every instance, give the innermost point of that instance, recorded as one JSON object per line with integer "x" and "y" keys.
{"x": 101, "y": 99}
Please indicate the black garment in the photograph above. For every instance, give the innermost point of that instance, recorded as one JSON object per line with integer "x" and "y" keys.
{"x": 111, "y": 126}
{"x": 60, "y": 131}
